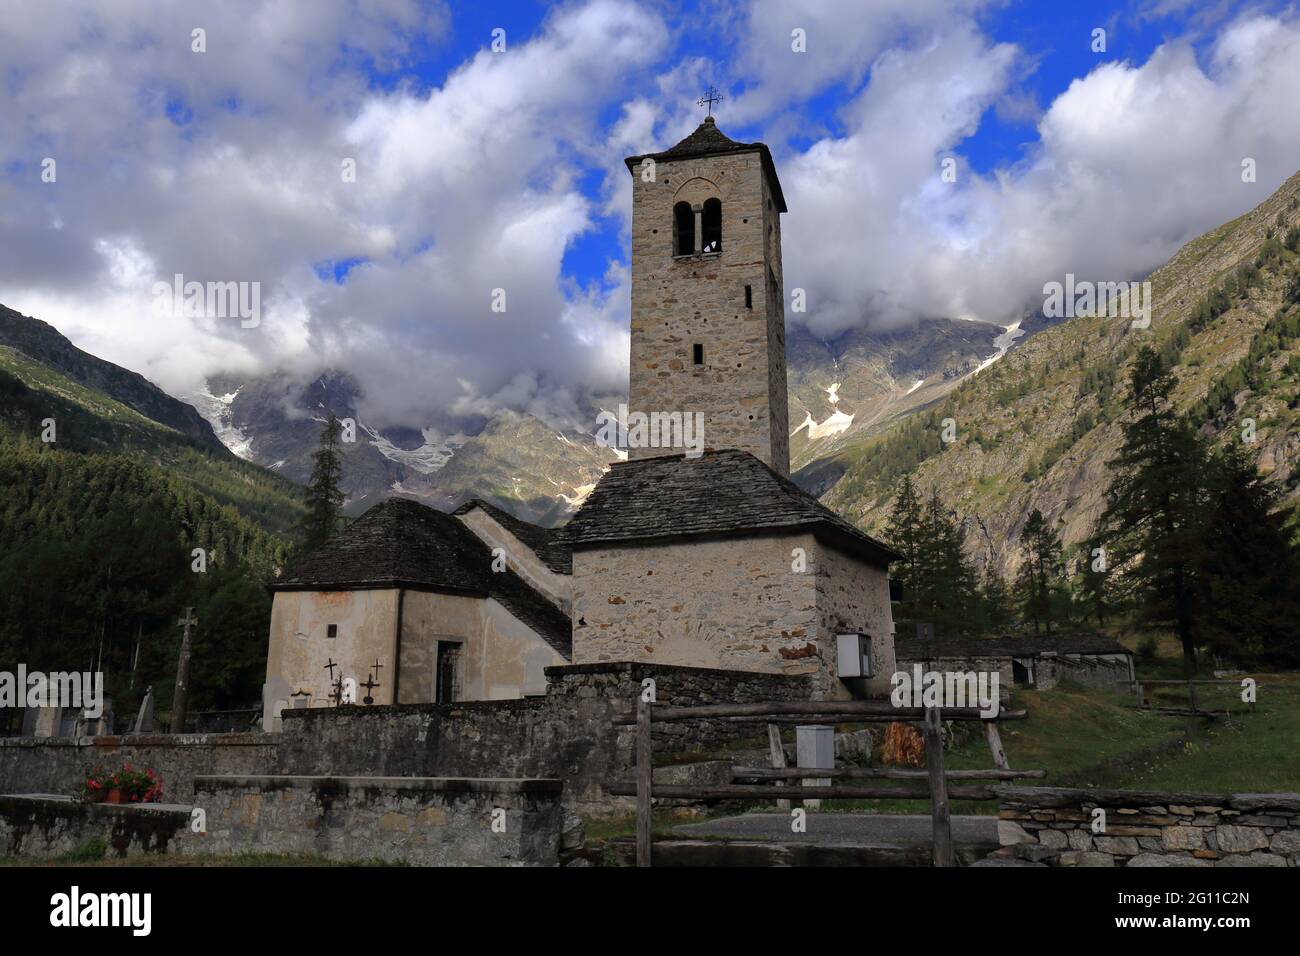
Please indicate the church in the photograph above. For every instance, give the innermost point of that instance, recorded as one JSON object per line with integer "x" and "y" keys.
{"x": 713, "y": 560}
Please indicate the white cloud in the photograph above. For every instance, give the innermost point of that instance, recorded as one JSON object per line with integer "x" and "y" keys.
{"x": 1133, "y": 160}
{"x": 226, "y": 166}
{"x": 461, "y": 189}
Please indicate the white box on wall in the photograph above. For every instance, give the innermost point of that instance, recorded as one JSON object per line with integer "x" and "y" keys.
{"x": 854, "y": 655}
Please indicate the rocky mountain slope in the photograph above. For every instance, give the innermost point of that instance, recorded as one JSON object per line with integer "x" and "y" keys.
{"x": 846, "y": 390}
{"x": 44, "y": 343}
{"x": 537, "y": 471}
{"x": 1037, "y": 429}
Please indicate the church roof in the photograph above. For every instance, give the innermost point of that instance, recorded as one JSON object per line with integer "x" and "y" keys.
{"x": 718, "y": 493}
{"x": 913, "y": 648}
{"x": 551, "y": 545}
{"x": 708, "y": 140}
{"x": 402, "y": 543}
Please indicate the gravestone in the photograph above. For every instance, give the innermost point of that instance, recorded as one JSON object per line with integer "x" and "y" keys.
{"x": 275, "y": 698}
{"x": 144, "y": 718}
{"x": 96, "y": 726}
{"x": 42, "y": 721}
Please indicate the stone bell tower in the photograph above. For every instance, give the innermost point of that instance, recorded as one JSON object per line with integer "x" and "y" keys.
{"x": 708, "y": 308}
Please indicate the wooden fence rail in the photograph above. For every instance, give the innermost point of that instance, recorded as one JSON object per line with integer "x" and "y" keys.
{"x": 935, "y": 788}
{"x": 1191, "y": 685}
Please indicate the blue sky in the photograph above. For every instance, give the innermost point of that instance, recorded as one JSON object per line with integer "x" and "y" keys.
{"x": 479, "y": 170}
{"x": 1058, "y": 36}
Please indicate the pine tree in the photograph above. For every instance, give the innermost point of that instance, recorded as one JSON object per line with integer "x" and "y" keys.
{"x": 995, "y": 601}
{"x": 324, "y": 497}
{"x": 1093, "y": 581}
{"x": 939, "y": 584}
{"x": 1249, "y": 567}
{"x": 1039, "y": 582}
{"x": 1155, "y": 508}
{"x": 904, "y": 534}
{"x": 947, "y": 595}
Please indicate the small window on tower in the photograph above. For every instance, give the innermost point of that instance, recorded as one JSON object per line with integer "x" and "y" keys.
{"x": 683, "y": 230}
{"x": 699, "y": 354}
{"x": 749, "y": 296}
{"x": 332, "y": 631}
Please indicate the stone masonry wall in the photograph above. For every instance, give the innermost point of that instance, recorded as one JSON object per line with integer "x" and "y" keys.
{"x": 1149, "y": 828}
{"x": 679, "y": 302}
{"x": 37, "y": 827}
{"x": 852, "y": 596}
{"x": 570, "y": 733}
{"x": 726, "y": 603}
{"x": 60, "y": 765}
{"x": 1081, "y": 669}
{"x": 422, "y": 821}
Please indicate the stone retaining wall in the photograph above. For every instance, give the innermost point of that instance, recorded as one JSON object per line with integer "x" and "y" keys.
{"x": 60, "y": 765}
{"x": 570, "y": 733}
{"x": 40, "y": 826}
{"x": 418, "y": 820}
{"x": 1148, "y": 828}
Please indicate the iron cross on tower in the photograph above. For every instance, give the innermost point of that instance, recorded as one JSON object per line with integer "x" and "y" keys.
{"x": 711, "y": 96}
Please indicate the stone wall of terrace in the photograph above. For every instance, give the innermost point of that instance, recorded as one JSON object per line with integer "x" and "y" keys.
{"x": 1059, "y": 827}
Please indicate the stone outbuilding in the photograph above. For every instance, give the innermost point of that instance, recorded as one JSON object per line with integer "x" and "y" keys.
{"x": 1038, "y": 662}
{"x": 414, "y": 591}
{"x": 718, "y": 561}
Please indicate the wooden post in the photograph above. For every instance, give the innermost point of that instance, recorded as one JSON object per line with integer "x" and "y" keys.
{"x": 181, "y": 696}
{"x": 644, "y": 770}
{"x": 776, "y": 754}
{"x": 1191, "y": 693}
{"x": 942, "y": 825}
{"x": 995, "y": 745}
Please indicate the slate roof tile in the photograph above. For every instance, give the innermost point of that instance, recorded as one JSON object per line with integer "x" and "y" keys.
{"x": 551, "y": 545}
{"x": 718, "y": 493}
{"x": 708, "y": 140}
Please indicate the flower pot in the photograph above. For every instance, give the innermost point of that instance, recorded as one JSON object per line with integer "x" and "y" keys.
{"x": 96, "y": 796}
{"x": 114, "y": 796}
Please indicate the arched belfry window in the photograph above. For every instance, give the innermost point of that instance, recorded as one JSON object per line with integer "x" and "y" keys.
{"x": 712, "y": 226}
{"x": 683, "y": 230}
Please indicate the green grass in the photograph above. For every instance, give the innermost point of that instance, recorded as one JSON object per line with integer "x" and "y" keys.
{"x": 1251, "y": 753}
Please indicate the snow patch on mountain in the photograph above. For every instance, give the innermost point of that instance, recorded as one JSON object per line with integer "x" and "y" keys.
{"x": 430, "y": 457}
{"x": 837, "y": 423}
{"x": 216, "y": 409}
{"x": 1004, "y": 343}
